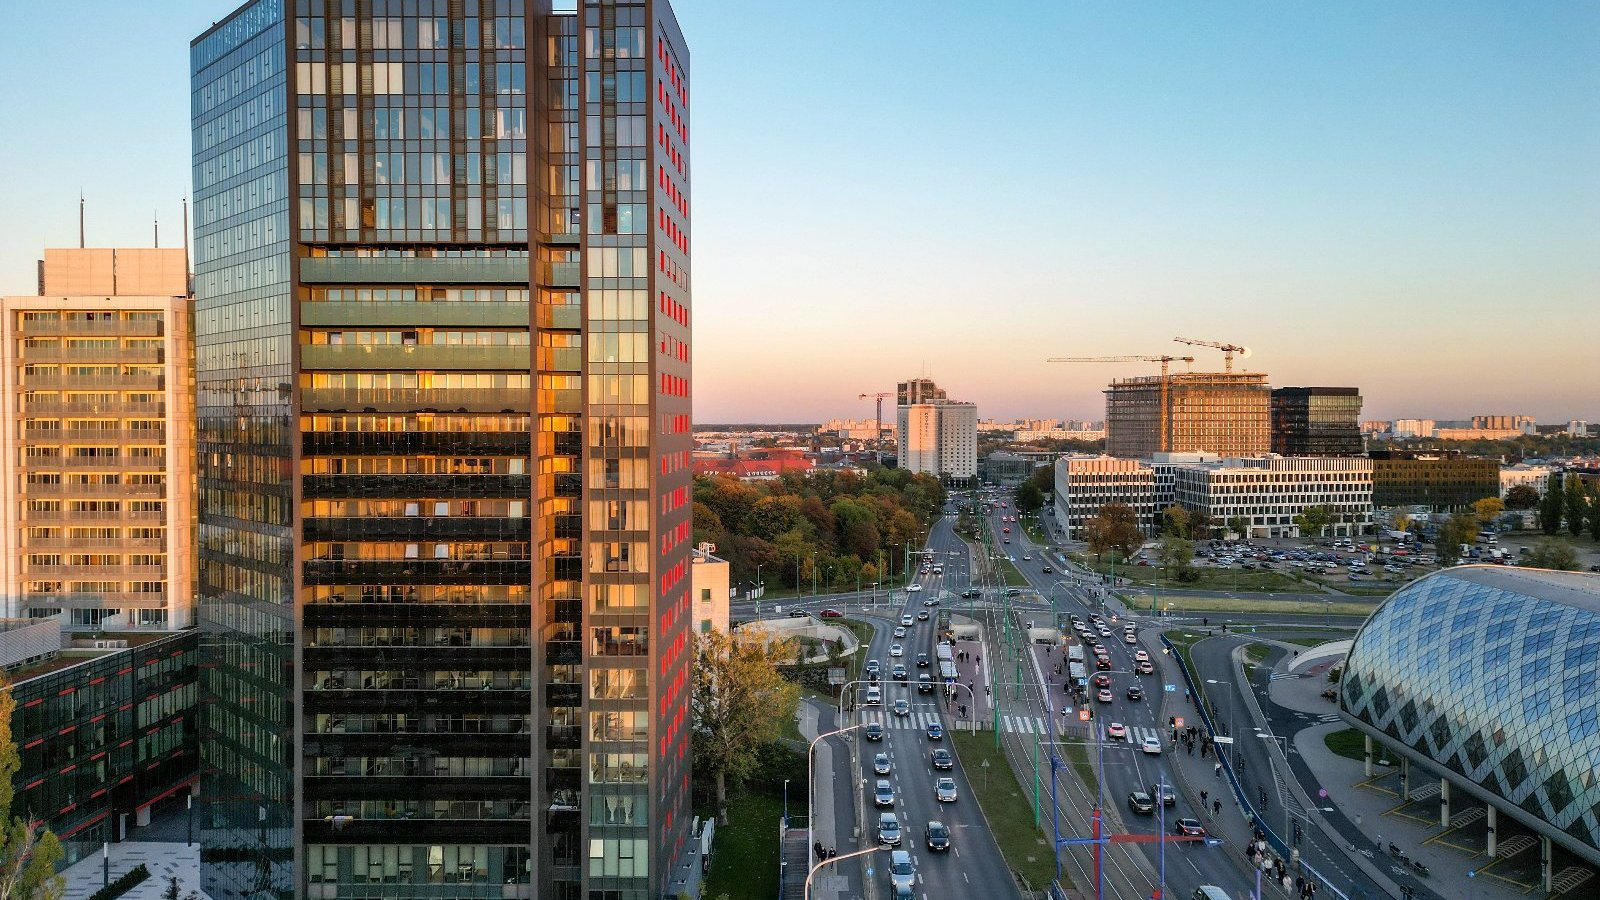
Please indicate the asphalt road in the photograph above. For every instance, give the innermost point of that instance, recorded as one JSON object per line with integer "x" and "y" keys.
{"x": 1125, "y": 768}
{"x": 974, "y": 862}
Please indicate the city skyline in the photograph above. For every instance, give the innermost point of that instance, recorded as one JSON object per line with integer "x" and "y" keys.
{"x": 1402, "y": 202}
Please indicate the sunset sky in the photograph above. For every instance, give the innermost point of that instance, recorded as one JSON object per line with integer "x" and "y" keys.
{"x": 1400, "y": 197}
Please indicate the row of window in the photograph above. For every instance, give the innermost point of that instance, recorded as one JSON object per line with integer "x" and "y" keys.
{"x": 422, "y": 337}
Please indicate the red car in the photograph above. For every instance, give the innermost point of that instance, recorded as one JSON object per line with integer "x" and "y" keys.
{"x": 1102, "y": 680}
{"x": 831, "y": 614}
{"x": 1189, "y": 828}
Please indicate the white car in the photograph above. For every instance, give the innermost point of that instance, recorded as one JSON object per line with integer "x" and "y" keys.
{"x": 1117, "y": 730}
{"x": 1140, "y": 656}
{"x": 899, "y": 631}
{"x": 912, "y": 589}
{"x": 1151, "y": 745}
{"x": 896, "y": 650}
{"x": 907, "y": 621}
{"x": 1130, "y": 638}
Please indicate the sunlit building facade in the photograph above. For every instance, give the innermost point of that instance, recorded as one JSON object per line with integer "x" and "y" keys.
{"x": 442, "y": 305}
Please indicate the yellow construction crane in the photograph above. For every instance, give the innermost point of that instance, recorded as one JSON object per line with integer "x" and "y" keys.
{"x": 1165, "y": 362}
{"x": 1228, "y": 350}
{"x": 877, "y": 434}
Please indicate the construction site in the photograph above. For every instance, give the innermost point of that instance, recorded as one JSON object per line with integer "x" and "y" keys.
{"x": 1227, "y": 412}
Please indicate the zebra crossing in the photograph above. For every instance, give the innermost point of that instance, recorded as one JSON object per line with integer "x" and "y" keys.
{"x": 914, "y": 721}
{"x": 1137, "y": 734}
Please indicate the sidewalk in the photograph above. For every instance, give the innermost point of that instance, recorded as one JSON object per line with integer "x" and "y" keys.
{"x": 163, "y": 859}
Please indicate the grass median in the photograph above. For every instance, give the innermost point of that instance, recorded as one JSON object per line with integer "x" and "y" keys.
{"x": 1348, "y": 743}
{"x": 1008, "y": 810}
{"x": 1182, "y": 604}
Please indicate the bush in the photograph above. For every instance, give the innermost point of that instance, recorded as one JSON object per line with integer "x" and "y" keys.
{"x": 1334, "y": 674}
{"x": 125, "y": 883}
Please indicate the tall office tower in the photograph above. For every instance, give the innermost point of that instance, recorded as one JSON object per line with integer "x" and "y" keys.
{"x": 1214, "y": 412}
{"x": 97, "y": 419}
{"x": 443, "y": 346}
{"x": 935, "y": 435}
{"x": 1316, "y": 421}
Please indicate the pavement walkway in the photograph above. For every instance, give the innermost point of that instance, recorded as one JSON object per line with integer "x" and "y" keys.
{"x": 163, "y": 859}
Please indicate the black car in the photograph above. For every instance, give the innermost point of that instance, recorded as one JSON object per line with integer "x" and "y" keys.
{"x": 1047, "y": 570}
{"x": 1135, "y": 692}
{"x": 798, "y": 614}
{"x": 938, "y": 836}
{"x": 924, "y": 684}
{"x": 973, "y": 592}
{"x": 922, "y": 661}
{"x": 874, "y": 731}
{"x": 942, "y": 759}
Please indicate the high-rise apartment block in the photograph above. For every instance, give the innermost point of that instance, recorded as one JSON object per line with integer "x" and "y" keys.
{"x": 442, "y": 318}
{"x": 1228, "y": 413}
{"x": 1505, "y": 423}
{"x": 1316, "y": 421}
{"x": 97, "y": 418}
{"x": 935, "y": 435}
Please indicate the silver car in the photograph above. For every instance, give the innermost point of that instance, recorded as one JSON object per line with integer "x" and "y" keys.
{"x": 945, "y": 790}
{"x": 881, "y": 764}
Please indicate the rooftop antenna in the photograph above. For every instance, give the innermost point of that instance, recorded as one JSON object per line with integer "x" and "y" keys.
{"x": 155, "y": 216}
{"x": 188, "y": 275}
{"x": 80, "y": 219}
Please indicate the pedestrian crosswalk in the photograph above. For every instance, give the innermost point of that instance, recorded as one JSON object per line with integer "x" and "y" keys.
{"x": 1138, "y": 733}
{"x": 914, "y": 721}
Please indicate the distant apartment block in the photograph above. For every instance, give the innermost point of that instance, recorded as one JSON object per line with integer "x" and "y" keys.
{"x": 1218, "y": 412}
{"x": 1316, "y": 421}
{"x": 97, "y": 401}
{"x": 1505, "y": 423}
{"x": 757, "y": 465}
{"x": 1414, "y": 428}
{"x": 1534, "y": 475}
{"x": 1437, "y": 479}
{"x": 935, "y": 435}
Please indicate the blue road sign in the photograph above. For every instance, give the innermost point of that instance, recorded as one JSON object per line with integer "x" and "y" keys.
{"x": 1170, "y": 688}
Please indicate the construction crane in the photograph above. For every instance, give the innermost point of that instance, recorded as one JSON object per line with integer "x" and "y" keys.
{"x": 1164, "y": 418}
{"x": 1228, "y": 350}
{"x": 877, "y": 434}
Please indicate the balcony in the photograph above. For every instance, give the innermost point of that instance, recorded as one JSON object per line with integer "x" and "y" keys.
{"x": 419, "y": 701}
{"x": 117, "y": 407}
{"x": 417, "y": 528}
{"x": 111, "y": 436}
{"x": 95, "y": 572}
{"x": 96, "y": 328}
{"x": 401, "y": 358}
{"x": 420, "y": 658}
{"x": 482, "y": 486}
{"x": 506, "y": 270}
{"x": 145, "y": 355}
{"x": 402, "y": 571}
{"x": 125, "y": 544}
{"x": 414, "y": 400}
{"x": 67, "y": 381}
{"x": 67, "y": 516}
{"x": 560, "y": 274}
{"x": 415, "y": 443}
{"x": 39, "y": 489}
{"x": 415, "y": 315}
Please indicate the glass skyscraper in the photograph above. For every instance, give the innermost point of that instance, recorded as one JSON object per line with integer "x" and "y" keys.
{"x": 442, "y": 353}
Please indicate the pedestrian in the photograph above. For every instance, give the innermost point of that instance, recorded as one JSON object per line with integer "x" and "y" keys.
{"x": 987, "y": 691}
{"x": 1216, "y": 807}
{"x": 1203, "y": 797}
{"x": 1216, "y": 770}
{"x": 978, "y": 660}
{"x": 1191, "y": 748}
{"x": 1186, "y": 695}
{"x": 1285, "y": 879}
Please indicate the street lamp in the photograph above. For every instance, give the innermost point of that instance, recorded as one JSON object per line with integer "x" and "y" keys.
{"x": 759, "y": 592}
{"x": 806, "y": 892}
{"x": 1230, "y": 707}
{"x": 811, "y": 784}
{"x": 786, "y": 804}
{"x": 1283, "y": 801}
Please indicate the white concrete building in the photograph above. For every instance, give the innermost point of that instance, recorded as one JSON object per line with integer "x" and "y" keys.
{"x": 1535, "y": 475}
{"x": 1267, "y": 492}
{"x": 936, "y": 435}
{"x": 1084, "y": 484}
{"x": 1414, "y": 428}
{"x": 708, "y": 577}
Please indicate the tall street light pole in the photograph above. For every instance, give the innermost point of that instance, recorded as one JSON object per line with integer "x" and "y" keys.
{"x": 811, "y": 783}
{"x": 806, "y": 892}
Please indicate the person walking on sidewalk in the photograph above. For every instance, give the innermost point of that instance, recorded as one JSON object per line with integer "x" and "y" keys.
{"x": 1204, "y": 797}
{"x": 1216, "y": 807}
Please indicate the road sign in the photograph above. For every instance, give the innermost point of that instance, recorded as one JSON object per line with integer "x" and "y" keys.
{"x": 1170, "y": 688}
{"x": 1178, "y": 723}
{"x": 1323, "y": 793}
{"x": 1222, "y": 740}
{"x": 1083, "y": 715}
{"x": 836, "y": 675}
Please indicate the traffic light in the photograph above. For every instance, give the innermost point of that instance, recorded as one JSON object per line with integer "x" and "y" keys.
{"x": 1172, "y": 721}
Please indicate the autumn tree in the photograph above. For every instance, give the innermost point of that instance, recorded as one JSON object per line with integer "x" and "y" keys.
{"x": 1114, "y": 527}
{"x": 1460, "y": 528}
{"x": 28, "y": 851}
{"x": 1029, "y": 498}
{"x": 1175, "y": 521}
{"x": 1522, "y": 496}
{"x": 1402, "y": 521}
{"x": 1176, "y": 553}
{"x": 1576, "y": 502}
{"x": 739, "y": 703}
{"x": 1488, "y": 509}
{"x": 1551, "y": 553}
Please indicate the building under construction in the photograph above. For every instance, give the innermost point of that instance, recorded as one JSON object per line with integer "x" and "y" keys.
{"x": 1227, "y": 413}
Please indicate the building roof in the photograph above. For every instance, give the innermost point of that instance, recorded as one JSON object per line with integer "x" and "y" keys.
{"x": 1579, "y": 590}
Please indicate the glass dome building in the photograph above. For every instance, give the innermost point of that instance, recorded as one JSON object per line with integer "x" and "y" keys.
{"x": 1489, "y": 677}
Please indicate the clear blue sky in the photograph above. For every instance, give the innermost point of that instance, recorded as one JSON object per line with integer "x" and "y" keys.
{"x": 1402, "y": 197}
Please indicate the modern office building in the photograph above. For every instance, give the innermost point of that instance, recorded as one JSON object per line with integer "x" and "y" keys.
{"x": 1216, "y": 412}
{"x": 105, "y": 729}
{"x": 1265, "y": 494}
{"x": 1437, "y": 479}
{"x": 97, "y": 426}
{"x": 1481, "y": 680}
{"x": 442, "y": 323}
{"x": 1085, "y": 484}
{"x": 1316, "y": 421}
{"x": 935, "y": 435}
{"x": 1006, "y": 469}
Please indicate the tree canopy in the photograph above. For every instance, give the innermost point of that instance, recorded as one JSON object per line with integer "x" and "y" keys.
{"x": 1114, "y": 527}
{"x": 739, "y": 703}
{"x": 830, "y": 524}
{"x": 1522, "y": 496}
{"x": 1551, "y": 553}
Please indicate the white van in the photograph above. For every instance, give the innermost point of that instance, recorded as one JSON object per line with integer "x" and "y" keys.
{"x": 874, "y": 696}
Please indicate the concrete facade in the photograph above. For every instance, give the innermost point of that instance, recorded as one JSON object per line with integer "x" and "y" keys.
{"x": 97, "y": 479}
{"x": 1267, "y": 493}
{"x": 708, "y": 576}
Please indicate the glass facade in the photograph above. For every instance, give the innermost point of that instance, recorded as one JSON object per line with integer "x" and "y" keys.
{"x": 1316, "y": 421}
{"x": 1212, "y": 412}
{"x": 1491, "y": 675}
{"x": 487, "y": 437}
{"x": 1438, "y": 479}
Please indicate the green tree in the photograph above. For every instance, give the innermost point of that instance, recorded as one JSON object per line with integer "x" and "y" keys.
{"x": 1576, "y": 502}
{"x": 1460, "y": 528}
{"x": 1240, "y": 526}
{"x": 1552, "y": 553}
{"x": 1029, "y": 498}
{"x": 1551, "y": 507}
{"x": 1044, "y": 478}
{"x": 1114, "y": 527}
{"x": 1594, "y": 515}
{"x": 28, "y": 851}
{"x": 1312, "y": 520}
{"x": 1176, "y": 554}
{"x": 739, "y": 704}
{"x": 1175, "y": 521}
{"x": 1522, "y": 496}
